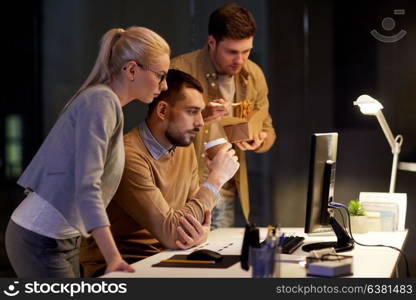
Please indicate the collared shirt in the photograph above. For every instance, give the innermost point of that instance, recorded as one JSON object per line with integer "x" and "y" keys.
{"x": 152, "y": 145}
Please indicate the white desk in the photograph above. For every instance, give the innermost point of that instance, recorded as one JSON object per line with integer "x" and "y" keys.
{"x": 368, "y": 261}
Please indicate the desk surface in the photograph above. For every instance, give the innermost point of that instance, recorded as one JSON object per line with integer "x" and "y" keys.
{"x": 368, "y": 261}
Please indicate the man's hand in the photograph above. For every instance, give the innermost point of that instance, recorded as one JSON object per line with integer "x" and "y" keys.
{"x": 254, "y": 144}
{"x": 222, "y": 167}
{"x": 192, "y": 232}
{"x": 212, "y": 113}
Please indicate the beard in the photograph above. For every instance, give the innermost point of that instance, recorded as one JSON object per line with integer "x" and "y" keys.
{"x": 179, "y": 140}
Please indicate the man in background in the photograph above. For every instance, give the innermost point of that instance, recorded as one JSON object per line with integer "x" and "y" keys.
{"x": 225, "y": 72}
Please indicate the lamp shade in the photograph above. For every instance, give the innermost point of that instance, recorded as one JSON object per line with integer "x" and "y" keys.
{"x": 368, "y": 105}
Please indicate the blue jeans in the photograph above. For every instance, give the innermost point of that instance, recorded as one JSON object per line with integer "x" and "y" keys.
{"x": 35, "y": 255}
{"x": 223, "y": 213}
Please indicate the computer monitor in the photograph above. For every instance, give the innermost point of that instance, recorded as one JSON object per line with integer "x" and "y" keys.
{"x": 321, "y": 184}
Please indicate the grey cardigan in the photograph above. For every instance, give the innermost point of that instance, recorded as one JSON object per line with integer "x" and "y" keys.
{"x": 79, "y": 165}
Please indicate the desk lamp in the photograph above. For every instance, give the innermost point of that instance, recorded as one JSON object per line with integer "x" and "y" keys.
{"x": 391, "y": 202}
{"x": 370, "y": 106}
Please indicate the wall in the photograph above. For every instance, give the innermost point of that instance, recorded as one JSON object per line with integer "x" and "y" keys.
{"x": 323, "y": 58}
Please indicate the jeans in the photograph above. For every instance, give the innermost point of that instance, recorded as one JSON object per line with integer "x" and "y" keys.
{"x": 223, "y": 213}
{"x": 35, "y": 255}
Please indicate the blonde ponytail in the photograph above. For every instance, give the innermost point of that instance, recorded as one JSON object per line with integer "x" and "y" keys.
{"x": 118, "y": 46}
{"x": 101, "y": 72}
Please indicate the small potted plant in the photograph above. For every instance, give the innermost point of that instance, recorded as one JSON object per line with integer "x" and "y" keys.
{"x": 357, "y": 216}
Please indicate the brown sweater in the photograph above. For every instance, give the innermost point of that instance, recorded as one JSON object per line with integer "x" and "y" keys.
{"x": 152, "y": 196}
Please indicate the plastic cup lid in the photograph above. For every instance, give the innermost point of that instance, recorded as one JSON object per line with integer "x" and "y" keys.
{"x": 215, "y": 143}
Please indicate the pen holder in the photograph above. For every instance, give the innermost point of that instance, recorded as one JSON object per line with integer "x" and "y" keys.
{"x": 277, "y": 264}
{"x": 262, "y": 262}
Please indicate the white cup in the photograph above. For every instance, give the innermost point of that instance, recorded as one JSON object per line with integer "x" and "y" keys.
{"x": 212, "y": 147}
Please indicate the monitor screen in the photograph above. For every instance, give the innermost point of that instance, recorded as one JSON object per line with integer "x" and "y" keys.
{"x": 321, "y": 192}
{"x": 321, "y": 181}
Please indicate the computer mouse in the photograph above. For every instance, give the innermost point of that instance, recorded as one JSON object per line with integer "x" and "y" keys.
{"x": 205, "y": 254}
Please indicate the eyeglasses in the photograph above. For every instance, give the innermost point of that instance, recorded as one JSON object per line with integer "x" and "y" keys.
{"x": 160, "y": 75}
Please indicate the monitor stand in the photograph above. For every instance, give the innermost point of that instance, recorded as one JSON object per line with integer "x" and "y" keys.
{"x": 344, "y": 241}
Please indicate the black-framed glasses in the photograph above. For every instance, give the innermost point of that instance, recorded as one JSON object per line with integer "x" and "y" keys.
{"x": 160, "y": 75}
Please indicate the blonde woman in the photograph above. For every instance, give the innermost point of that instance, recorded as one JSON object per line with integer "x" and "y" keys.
{"x": 76, "y": 171}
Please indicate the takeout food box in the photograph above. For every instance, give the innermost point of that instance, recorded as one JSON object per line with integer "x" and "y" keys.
{"x": 244, "y": 129}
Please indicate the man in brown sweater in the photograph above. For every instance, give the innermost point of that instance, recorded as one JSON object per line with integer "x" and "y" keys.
{"x": 225, "y": 71}
{"x": 159, "y": 203}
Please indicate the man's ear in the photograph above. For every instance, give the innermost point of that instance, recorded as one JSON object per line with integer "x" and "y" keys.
{"x": 212, "y": 43}
{"x": 162, "y": 109}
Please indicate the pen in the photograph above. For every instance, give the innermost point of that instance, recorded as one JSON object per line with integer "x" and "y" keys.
{"x": 185, "y": 261}
{"x": 281, "y": 240}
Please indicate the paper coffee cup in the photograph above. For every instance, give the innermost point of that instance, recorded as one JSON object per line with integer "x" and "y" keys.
{"x": 212, "y": 147}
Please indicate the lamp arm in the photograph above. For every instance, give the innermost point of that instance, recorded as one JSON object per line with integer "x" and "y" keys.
{"x": 393, "y": 173}
{"x": 387, "y": 132}
{"x": 395, "y": 145}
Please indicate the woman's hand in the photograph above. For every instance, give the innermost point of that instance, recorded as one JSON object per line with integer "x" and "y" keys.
{"x": 118, "y": 264}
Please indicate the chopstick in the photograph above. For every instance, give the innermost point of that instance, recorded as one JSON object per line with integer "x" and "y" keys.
{"x": 218, "y": 104}
{"x": 185, "y": 261}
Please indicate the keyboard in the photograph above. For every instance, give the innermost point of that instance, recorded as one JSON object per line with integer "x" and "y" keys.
{"x": 291, "y": 243}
